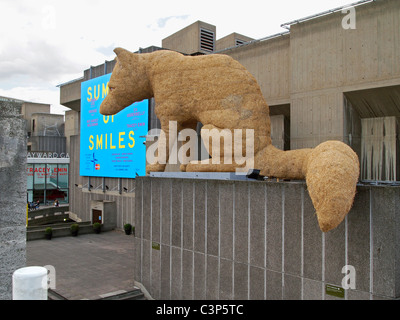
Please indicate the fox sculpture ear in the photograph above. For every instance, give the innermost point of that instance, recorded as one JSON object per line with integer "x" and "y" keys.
{"x": 122, "y": 54}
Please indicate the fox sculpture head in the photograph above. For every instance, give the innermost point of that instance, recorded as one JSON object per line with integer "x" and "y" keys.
{"x": 128, "y": 83}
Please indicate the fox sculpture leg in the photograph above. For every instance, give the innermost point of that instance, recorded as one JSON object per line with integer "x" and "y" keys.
{"x": 168, "y": 136}
{"x": 230, "y": 149}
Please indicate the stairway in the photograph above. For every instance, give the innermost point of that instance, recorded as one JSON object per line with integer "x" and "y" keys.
{"x": 135, "y": 294}
{"x": 52, "y": 295}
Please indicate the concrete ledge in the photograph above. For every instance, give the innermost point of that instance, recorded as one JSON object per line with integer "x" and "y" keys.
{"x": 201, "y": 175}
{"x": 47, "y": 215}
{"x": 39, "y": 220}
{"x": 47, "y": 211}
{"x": 224, "y": 239}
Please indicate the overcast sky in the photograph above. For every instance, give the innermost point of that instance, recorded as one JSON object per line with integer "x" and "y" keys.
{"x": 44, "y": 43}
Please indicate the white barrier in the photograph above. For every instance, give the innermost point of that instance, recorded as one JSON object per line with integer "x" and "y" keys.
{"x": 30, "y": 283}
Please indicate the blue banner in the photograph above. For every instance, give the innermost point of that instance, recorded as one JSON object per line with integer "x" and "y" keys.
{"x": 111, "y": 146}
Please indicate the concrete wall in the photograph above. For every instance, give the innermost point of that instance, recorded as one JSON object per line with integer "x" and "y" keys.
{"x": 187, "y": 40}
{"x": 345, "y": 57}
{"x": 12, "y": 194}
{"x": 49, "y": 144}
{"x": 70, "y": 95}
{"x": 59, "y": 230}
{"x": 72, "y": 126}
{"x": 47, "y": 124}
{"x": 269, "y": 62}
{"x": 47, "y": 215}
{"x": 328, "y": 60}
{"x": 313, "y": 66}
{"x": 29, "y": 108}
{"x": 215, "y": 239}
{"x": 231, "y": 41}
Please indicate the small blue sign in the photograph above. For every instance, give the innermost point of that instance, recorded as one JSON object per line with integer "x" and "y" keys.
{"x": 111, "y": 146}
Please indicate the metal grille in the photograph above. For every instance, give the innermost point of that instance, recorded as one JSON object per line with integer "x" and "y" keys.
{"x": 207, "y": 40}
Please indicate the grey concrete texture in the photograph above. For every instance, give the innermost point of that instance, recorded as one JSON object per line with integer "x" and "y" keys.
{"x": 12, "y": 194}
{"x": 260, "y": 240}
{"x": 89, "y": 266}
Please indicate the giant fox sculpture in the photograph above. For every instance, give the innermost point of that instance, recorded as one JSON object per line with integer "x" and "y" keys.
{"x": 219, "y": 92}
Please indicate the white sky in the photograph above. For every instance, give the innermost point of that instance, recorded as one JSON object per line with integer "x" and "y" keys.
{"x": 44, "y": 43}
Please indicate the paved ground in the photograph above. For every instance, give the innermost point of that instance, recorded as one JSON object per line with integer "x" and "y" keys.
{"x": 87, "y": 266}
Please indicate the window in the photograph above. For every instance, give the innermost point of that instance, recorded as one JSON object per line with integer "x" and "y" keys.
{"x": 47, "y": 182}
{"x": 29, "y": 173}
{"x": 39, "y": 176}
{"x": 63, "y": 175}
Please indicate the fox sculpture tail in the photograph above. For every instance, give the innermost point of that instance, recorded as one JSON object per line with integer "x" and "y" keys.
{"x": 331, "y": 177}
{"x": 331, "y": 172}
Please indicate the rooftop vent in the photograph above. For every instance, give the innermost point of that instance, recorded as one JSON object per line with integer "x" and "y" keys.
{"x": 207, "y": 40}
{"x": 239, "y": 42}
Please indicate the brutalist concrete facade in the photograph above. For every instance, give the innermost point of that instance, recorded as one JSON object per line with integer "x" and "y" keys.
{"x": 215, "y": 239}
{"x": 12, "y": 194}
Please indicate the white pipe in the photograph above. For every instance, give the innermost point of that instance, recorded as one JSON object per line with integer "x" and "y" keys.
{"x": 30, "y": 283}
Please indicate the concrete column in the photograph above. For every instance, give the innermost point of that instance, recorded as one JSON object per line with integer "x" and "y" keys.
{"x": 12, "y": 194}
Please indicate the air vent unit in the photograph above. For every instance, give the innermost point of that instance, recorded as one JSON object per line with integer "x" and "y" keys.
{"x": 239, "y": 42}
{"x": 207, "y": 40}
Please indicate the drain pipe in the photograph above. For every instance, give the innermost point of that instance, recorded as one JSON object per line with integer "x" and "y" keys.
{"x": 30, "y": 283}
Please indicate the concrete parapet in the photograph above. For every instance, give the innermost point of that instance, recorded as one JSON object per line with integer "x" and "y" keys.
{"x": 59, "y": 230}
{"x": 47, "y": 215}
{"x": 215, "y": 239}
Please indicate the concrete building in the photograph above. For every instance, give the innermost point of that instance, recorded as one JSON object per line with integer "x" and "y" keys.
{"x": 48, "y": 161}
{"x": 46, "y": 133}
{"x": 334, "y": 75}
{"x": 322, "y": 80}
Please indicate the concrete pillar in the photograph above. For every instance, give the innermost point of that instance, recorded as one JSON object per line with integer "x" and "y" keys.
{"x": 12, "y": 194}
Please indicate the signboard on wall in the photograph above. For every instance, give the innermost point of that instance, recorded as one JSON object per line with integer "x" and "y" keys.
{"x": 111, "y": 146}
